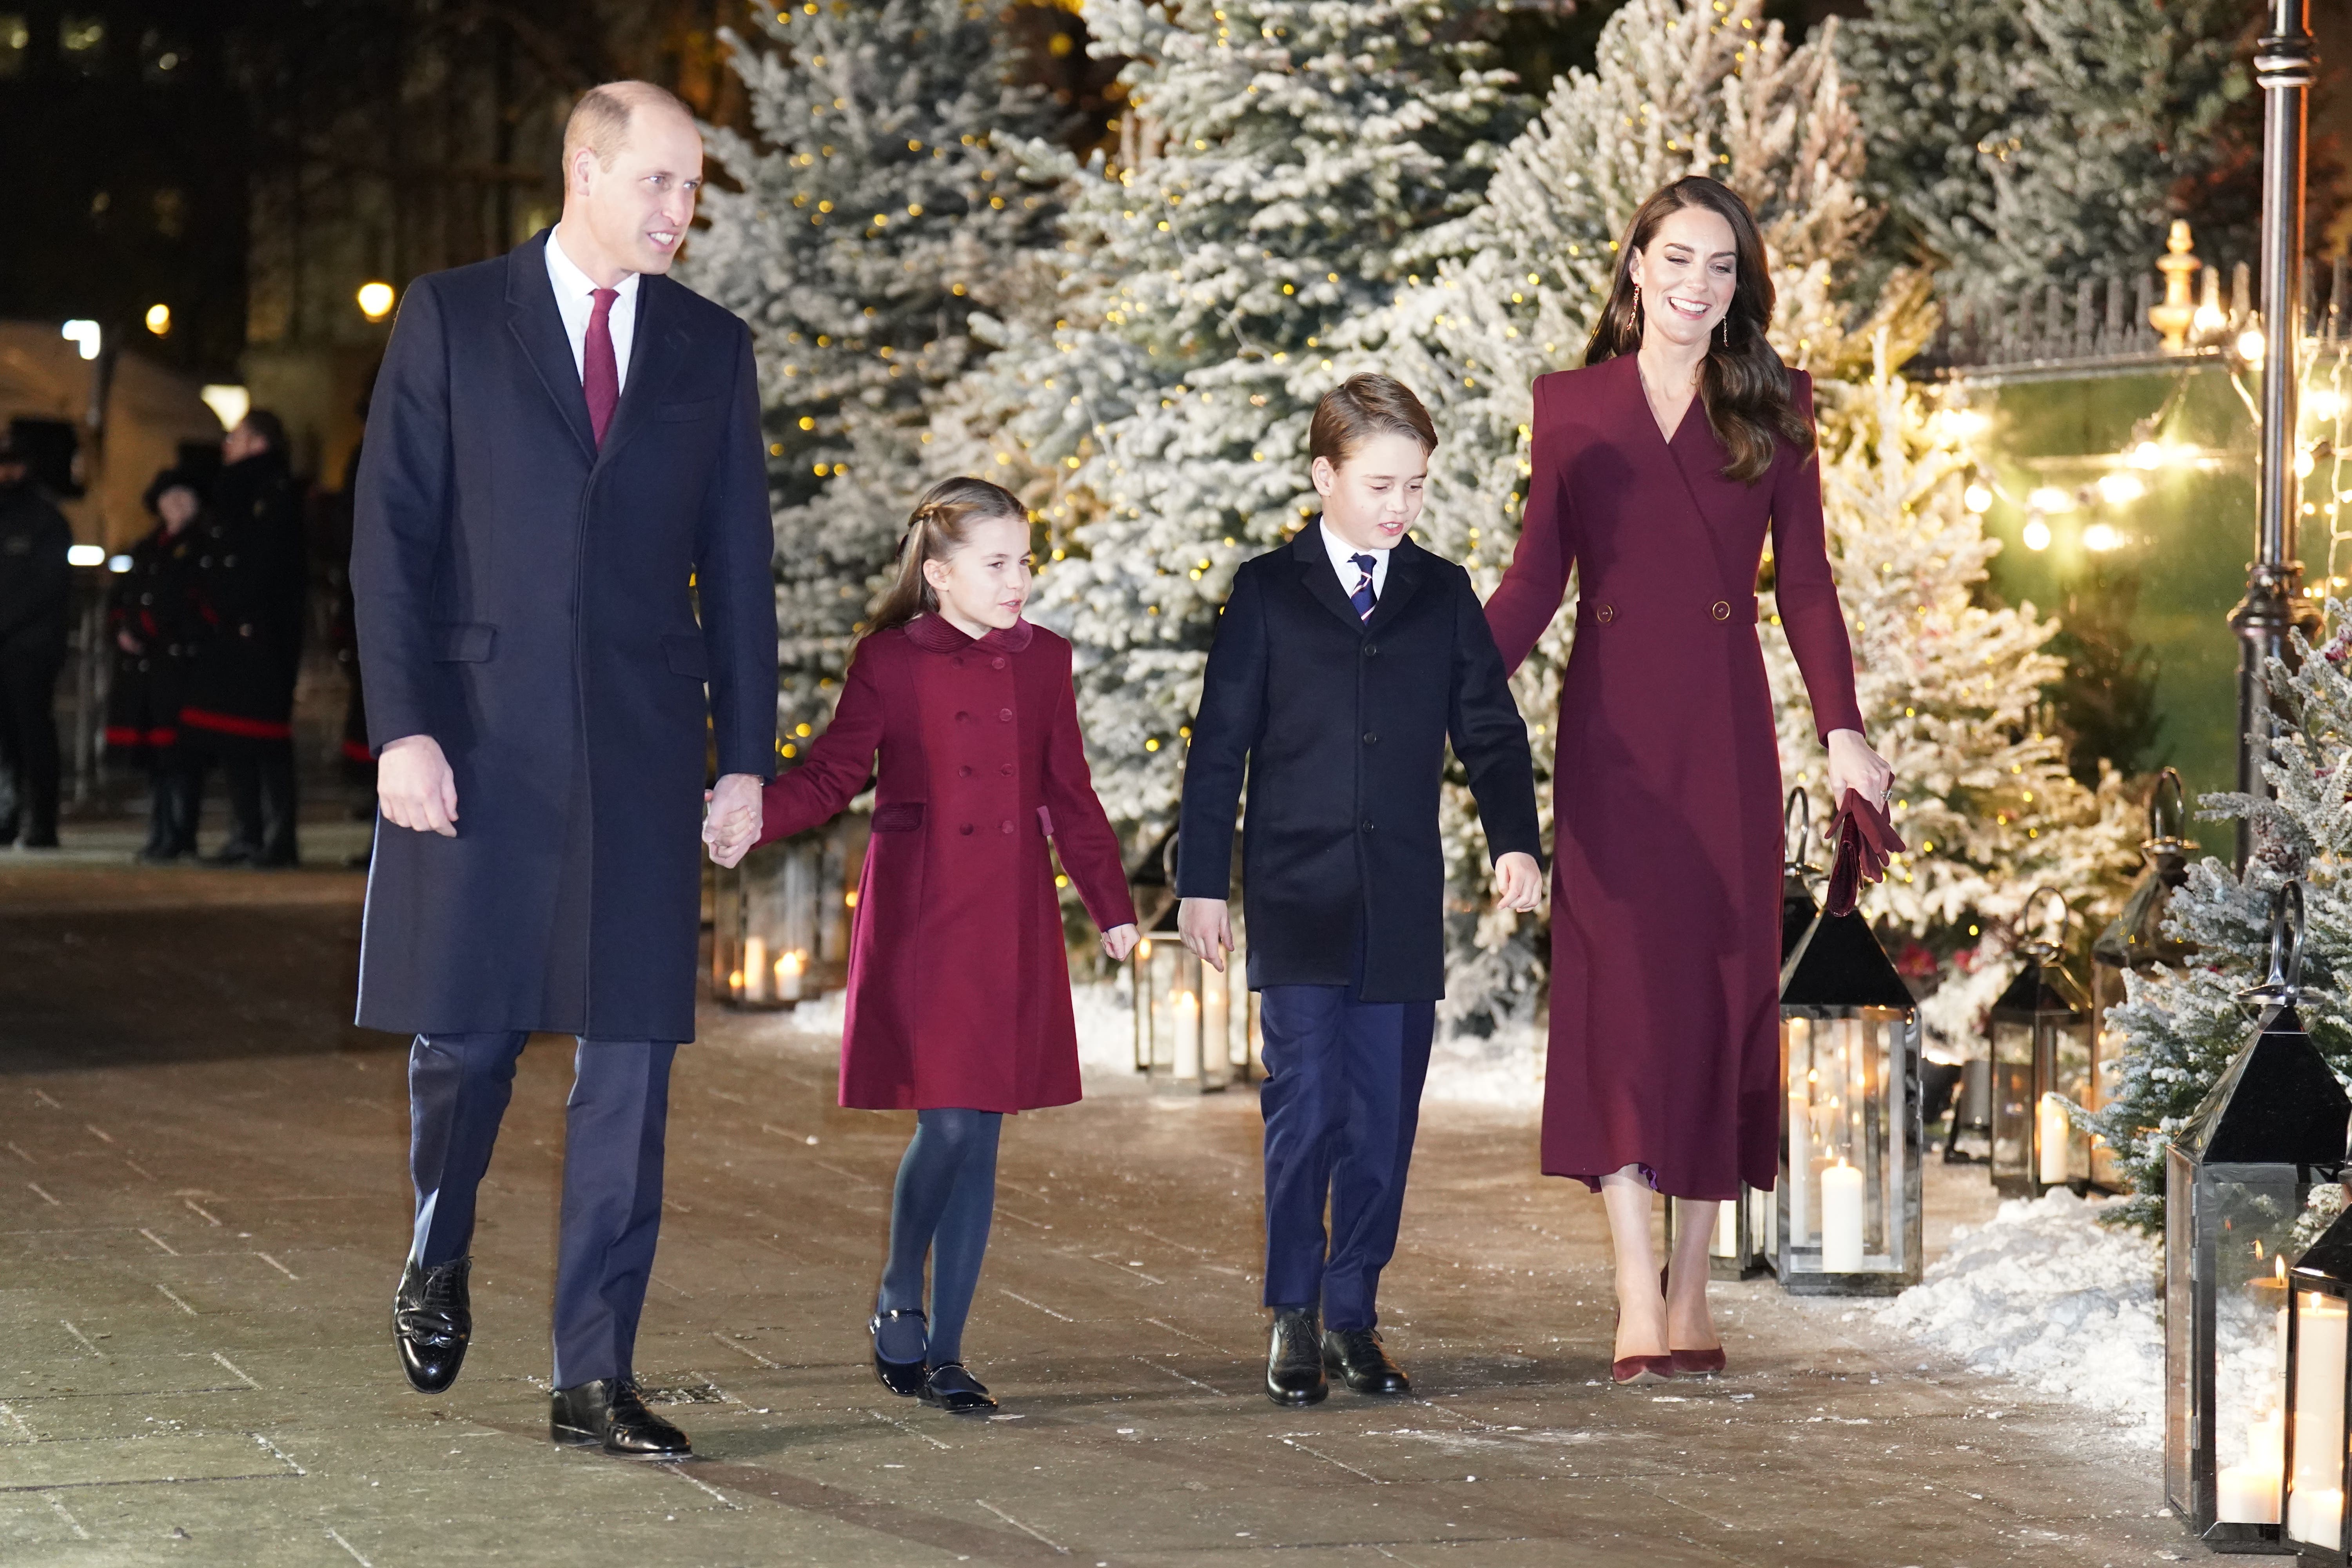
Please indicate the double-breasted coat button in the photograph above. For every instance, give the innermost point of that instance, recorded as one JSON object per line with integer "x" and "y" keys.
{"x": 963, "y": 772}
{"x": 1005, "y": 715}
{"x": 1371, "y": 739}
{"x": 1605, "y": 614}
{"x": 1720, "y": 609}
{"x": 960, "y": 717}
{"x": 996, "y": 663}
{"x": 1006, "y": 826}
{"x": 956, "y": 661}
{"x": 1005, "y": 768}
{"x": 965, "y": 829}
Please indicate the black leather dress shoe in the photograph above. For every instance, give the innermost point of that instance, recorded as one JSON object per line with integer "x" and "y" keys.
{"x": 903, "y": 1378}
{"x": 609, "y": 1413}
{"x": 949, "y": 1386}
{"x": 1293, "y": 1360}
{"x": 1362, "y": 1362}
{"x": 431, "y": 1322}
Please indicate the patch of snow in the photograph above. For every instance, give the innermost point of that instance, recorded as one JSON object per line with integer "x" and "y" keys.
{"x": 1504, "y": 1070}
{"x": 2045, "y": 1295}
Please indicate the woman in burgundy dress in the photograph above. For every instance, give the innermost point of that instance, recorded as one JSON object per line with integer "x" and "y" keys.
{"x": 1657, "y": 469}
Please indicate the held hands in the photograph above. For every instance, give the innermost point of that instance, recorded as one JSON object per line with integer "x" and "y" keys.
{"x": 1207, "y": 927}
{"x": 1119, "y": 940}
{"x": 1519, "y": 882}
{"x": 730, "y": 822}
{"x": 416, "y": 787}
{"x": 1854, "y": 766}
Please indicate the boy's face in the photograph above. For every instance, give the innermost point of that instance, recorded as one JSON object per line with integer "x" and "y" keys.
{"x": 1373, "y": 498}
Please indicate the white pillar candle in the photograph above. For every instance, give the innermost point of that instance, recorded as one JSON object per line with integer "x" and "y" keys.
{"x": 1841, "y": 1219}
{"x": 789, "y": 969}
{"x": 2315, "y": 1509}
{"x": 2054, "y": 1134}
{"x": 755, "y": 969}
{"x": 1800, "y": 1170}
{"x": 1726, "y": 1230}
{"x": 1188, "y": 1036}
{"x": 2247, "y": 1492}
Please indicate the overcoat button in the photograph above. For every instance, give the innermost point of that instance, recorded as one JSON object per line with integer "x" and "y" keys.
{"x": 962, "y": 717}
{"x": 965, "y": 829}
{"x": 1720, "y": 609}
{"x": 963, "y": 772}
{"x": 1606, "y": 613}
{"x": 1368, "y": 824}
{"x": 1005, "y": 768}
{"x": 1371, "y": 650}
{"x": 996, "y": 663}
{"x": 1005, "y": 827}
{"x": 1005, "y": 715}
{"x": 1371, "y": 739}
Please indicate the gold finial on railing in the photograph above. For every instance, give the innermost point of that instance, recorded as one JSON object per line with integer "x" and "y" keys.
{"x": 2174, "y": 317}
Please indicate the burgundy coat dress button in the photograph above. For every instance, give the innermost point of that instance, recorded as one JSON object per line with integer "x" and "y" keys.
{"x": 964, "y": 772}
{"x": 1005, "y": 768}
{"x": 996, "y": 663}
{"x": 958, "y": 661}
{"x": 965, "y": 829}
{"x": 1005, "y": 715}
{"x": 962, "y": 717}
{"x": 1006, "y": 827}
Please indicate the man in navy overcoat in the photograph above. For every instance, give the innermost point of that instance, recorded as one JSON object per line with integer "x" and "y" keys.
{"x": 562, "y": 466}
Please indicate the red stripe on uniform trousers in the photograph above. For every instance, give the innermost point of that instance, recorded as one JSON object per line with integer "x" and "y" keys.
{"x": 235, "y": 724}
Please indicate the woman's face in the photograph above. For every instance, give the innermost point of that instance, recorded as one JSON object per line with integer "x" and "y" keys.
{"x": 984, "y": 582}
{"x": 177, "y": 506}
{"x": 1687, "y": 276}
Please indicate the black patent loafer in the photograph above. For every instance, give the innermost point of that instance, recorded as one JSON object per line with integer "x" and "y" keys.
{"x": 903, "y": 1378}
{"x": 950, "y": 1387}
{"x": 1294, "y": 1358}
{"x": 1362, "y": 1362}
{"x": 610, "y": 1414}
{"x": 432, "y": 1322}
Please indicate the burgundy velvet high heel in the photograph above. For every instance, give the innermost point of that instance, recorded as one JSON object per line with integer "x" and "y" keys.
{"x": 1696, "y": 1364}
{"x": 1626, "y": 1372}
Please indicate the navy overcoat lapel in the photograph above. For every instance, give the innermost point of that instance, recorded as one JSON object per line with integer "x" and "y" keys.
{"x": 1408, "y": 565}
{"x": 537, "y": 327}
{"x": 1315, "y": 571}
{"x": 656, "y": 353}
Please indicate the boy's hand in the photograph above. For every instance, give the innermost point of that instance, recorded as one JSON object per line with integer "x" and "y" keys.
{"x": 1119, "y": 940}
{"x": 1207, "y": 927}
{"x": 1519, "y": 882}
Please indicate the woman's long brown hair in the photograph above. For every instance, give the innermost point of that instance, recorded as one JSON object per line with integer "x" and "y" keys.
{"x": 940, "y": 523}
{"x": 1742, "y": 383}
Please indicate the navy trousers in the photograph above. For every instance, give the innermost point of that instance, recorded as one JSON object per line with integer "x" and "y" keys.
{"x": 459, "y": 1086}
{"x": 1342, "y": 1102}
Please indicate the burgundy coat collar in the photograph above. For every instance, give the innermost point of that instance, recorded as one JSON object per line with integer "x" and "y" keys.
{"x": 933, "y": 634}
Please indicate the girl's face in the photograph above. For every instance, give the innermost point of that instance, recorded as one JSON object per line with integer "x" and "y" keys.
{"x": 983, "y": 583}
{"x": 1687, "y": 276}
{"x": 177, "y": 506}
{"x": 1373, "y": 495}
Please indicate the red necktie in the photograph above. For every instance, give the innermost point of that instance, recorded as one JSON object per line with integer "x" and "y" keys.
{"x": 600, "y": 375}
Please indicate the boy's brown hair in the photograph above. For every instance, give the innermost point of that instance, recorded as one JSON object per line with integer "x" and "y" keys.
{"x": 1361, "y": 407}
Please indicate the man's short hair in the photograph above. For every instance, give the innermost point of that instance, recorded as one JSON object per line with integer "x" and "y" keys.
{"x": 268, "y": 426}
{"x": 1362, "y": 406}
{"x": 600, "y": 121}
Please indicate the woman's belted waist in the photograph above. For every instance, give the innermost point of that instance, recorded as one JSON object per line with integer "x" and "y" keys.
{"x": 1604, "y": 609}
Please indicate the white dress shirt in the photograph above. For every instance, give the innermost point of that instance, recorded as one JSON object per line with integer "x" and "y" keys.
{"x": 575, "y": 299}
{"x": 1341, "y": 551}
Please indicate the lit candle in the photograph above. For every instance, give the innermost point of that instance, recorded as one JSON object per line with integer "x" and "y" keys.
{"x": 2054, "y": 1134}
{"x": 788, "y": 976}
{"x": 1800, "y": 1169}
{"x": 2248, "y": 1493}
{"x": 2314, "y": 1508}
{"x": 1841, "y": 1219}
{"x": 1188, "y": 1036}
{"x": 755, "y": 969}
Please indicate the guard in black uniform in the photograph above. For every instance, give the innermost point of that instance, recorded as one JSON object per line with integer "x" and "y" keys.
{"x": 250, "y": 589}
{"x": 35, "y": 618}
{"x": 151, "y": 620}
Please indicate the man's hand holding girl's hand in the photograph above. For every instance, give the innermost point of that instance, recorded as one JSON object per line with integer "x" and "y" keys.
{"x": 1119, "y": 940}
{"x": 730, "y": 822}
{"x": 1519, "y": 882}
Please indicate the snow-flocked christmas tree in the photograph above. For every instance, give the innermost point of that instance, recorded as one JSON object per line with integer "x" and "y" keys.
{"x": 2180, "y": 1027}
{"x": 901, "y": 182}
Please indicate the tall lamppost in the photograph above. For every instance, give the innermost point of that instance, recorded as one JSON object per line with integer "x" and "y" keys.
{"x": 2285, "y": 65}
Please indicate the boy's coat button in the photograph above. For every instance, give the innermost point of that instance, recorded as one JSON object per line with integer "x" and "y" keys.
{"x": 1368, "y": 824}
{"x": 1371, "y": 739}
{"x": 1371, "y": 649}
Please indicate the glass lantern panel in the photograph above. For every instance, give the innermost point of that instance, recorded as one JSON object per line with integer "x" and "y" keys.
{"x": 2180, "y": 1443}
{"x": 2250, "y": 1221}
{"x": 1845, "y": 1187}
{"x": 2013, "y": 1106}
{"x": 2314, "y": 1511}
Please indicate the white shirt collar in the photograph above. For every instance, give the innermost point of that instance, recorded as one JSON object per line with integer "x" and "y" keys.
{"x": 1341, "y": 551}
{"x": 571, "y": 281}
{"x": 575, "y": 302}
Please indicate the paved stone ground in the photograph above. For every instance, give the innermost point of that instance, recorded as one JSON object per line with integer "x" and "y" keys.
{"x": 204, "y": 1206}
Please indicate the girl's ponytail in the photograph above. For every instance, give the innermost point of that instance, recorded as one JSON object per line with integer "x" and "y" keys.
{"x": 939, "y": 525}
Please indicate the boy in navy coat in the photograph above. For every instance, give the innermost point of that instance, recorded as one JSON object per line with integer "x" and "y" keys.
{"x": 1343, "y": 664}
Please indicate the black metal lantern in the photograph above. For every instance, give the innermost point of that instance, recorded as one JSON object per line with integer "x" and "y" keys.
{"x": 2041, "y": 1036}
{"x": 2236, "y": 1180}
{"x": 779, "y": 919}
{"x": 1195, "y": 1028}
{"x": 2135, "y": 941}
{"x": 1848, "y": 1216}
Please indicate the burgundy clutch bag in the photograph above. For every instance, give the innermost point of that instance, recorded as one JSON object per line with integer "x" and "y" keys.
{"x": 1864, "y": 839}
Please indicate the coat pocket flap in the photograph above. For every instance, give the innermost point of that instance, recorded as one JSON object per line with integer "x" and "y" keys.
{"x": 900, "y": 816}
{"x": 460, "y": 642}
{"x": 1045, "y": 821}
{"x": 687, "y": 655}
{"x": 673, "y": 411}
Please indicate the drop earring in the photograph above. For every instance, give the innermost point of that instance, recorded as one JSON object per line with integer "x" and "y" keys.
{"x": 1726, "y": 330}
{"x": 1637, "y": 312}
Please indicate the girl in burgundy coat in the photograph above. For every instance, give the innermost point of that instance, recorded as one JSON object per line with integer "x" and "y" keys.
{"x": 1657, "y": 471}
{"x": 959, "y": 1004}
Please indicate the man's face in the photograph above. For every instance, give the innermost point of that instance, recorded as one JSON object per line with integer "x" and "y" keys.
{"x": 241, "y": 443}
{"x": 12, "y": 473}
{"x": 177, "y": 506}
{"x": 637, "y": 211}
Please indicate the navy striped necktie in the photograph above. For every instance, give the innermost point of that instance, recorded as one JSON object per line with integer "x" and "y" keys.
{"x": 1364, "y": 598}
